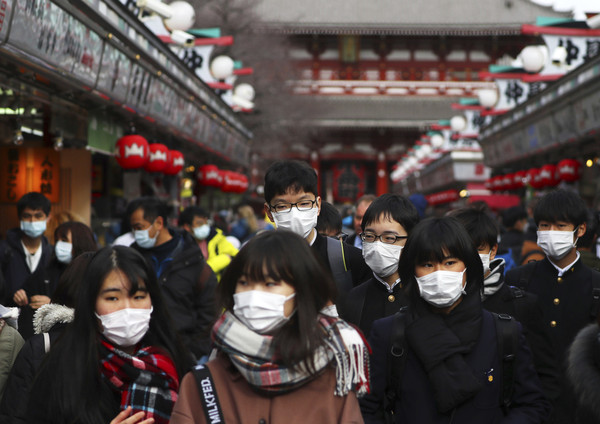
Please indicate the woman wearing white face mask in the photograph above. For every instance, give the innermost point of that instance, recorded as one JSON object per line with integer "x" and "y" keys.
{"x": 450, "y": 370}
{"x": 276, "y": 358}
{"x": 119, "y": 361}
{"x": 71, "y": 239}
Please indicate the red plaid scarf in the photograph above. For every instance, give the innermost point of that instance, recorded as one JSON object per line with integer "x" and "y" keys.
{"x": 147, "y": 380}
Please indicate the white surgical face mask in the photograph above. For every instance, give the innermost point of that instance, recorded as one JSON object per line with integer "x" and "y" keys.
{"x": 382, "y": 258}
{"x": 485, "y": 260}
{"x": 33, "y": 229}
{"x": 300, "y": 222}
{"x": 63, "y": 251}
{"x": 441, "y": 288}
{"x": 201, "y": 232}
{"x": 261, "y": 311}
{"x": 556, "y": 244}
{"x": 125, "y": 327}
{"x": 143, "y": 239}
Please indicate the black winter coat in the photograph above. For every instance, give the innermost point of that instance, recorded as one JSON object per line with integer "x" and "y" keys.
{"x": 188, "y": 286}
{"x": 524, "y": 308}
{"x": 13, "y": 408}
{"x": 14, "y": 266}
{"x": 416, "y": 402}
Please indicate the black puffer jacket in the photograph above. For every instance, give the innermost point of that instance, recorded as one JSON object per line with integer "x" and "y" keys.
{"x": 584, "y": 374}
{"x": 51, "y": 319}
{"x": 188, "y": 286}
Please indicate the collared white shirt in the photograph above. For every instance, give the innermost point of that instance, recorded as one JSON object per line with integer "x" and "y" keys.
{"x": 358, "y": 241}
{"x": 561, "y": 271}
{"x": 387, "y": 286}
{"x": 32, "y": 260}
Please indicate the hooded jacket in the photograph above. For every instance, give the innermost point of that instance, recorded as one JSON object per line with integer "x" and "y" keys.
{"x": 50, "y": 319}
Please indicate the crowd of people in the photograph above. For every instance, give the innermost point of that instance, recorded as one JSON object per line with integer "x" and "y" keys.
{"x": 467, "y": 317}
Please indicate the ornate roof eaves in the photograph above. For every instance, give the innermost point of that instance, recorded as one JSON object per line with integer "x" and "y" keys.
{"x": 464, "y": 31}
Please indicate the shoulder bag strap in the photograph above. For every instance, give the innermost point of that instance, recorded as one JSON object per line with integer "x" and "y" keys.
{"x": 507, "y": 333}
{"x": 208, "y": 395}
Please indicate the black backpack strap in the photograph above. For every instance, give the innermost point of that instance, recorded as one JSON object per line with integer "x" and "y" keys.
{"x": 519, "y": 301}
{"x": 595, "y": 295}
{"x": 337, "y": 262}
{"x": 526, "y": 272}
{"x": 397, "y": 360}
{"x": 507, "y": 332}
{"x": 208, "y": 394}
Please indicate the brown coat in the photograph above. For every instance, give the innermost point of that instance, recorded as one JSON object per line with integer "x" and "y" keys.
{"x": 312, "y": 403}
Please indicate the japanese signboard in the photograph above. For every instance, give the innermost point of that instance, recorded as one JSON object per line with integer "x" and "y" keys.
{"x": 29, "y": 169}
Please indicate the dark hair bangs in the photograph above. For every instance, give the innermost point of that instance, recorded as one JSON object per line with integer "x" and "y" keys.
{"x": 259, "y": 267}
{"x": 561, "y": 205}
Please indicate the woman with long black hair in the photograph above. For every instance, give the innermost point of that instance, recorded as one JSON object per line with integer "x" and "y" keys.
{"x": 278, "y": 359}
{"x": 120, "y": 354}
{"x": 451, "y": 366}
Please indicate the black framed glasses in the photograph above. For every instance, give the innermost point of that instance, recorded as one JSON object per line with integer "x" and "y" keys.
{"x": 302, "y": 205}
{"x": 385, "y": 238}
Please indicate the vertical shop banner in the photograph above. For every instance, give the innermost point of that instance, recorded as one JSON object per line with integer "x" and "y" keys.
{"x": 27, "y": 169}
{"x": 13, "y": 174}
{"x": 46, "y": 173}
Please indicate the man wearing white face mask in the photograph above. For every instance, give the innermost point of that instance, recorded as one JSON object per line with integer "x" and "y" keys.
{"x": 385, "y": 228}
{"x": 502, "y": 298}
{"x": 568, "y": 291}
{"x": 187, "y": 282}
{"x": 25, "y": 248}
{"x": 292, "y": 203}
{"x": 215, "y": 247}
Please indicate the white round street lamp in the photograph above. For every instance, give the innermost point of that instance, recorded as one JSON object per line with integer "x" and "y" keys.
{"x": 221, "y": 67}
{"x": 533, "y": 58}
{"x": 183, "y": 16}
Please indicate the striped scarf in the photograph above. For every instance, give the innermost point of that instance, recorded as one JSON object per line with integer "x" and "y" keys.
{"x": 493, "y": 282}
{"x": 255, "y": 358}
{"x": 147, "y": 380}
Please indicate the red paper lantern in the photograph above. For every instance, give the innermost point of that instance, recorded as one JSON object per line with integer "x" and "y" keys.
{"x": 508, "y": 181}
{"x": 157, "y": 158}
{"x": 229, "y": 181}
{"x": 548, "y": 175}
{"x": 131, "y": 151}
{"x": 175, "y": 163}
{"x": 533, "y": 178}
{"x": 569, "y": 170}
{"x": 210, "y": 176}
{"x": 497, "y": 182}
{"x": 518, "y": 179}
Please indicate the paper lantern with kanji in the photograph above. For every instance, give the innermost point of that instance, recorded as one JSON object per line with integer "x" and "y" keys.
{"x": 157, "y": 158}
{"x": 548, "y": 175}
{"x": 497, "y": 183}
{"x": 533, "y": 178}
{"x": 175, "y": 163}
{"x": 508, "y": 181}
{"x": 518, "y": 179}
{"x": 569, "y": 170}
{"x": 210, "y": 176}
{"x": 131, "y": 151}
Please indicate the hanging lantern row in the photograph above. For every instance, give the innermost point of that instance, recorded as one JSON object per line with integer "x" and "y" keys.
{"x": 227, "y": 181}
{"x": 568, "y": 170}
{"x": 134, "y": 152}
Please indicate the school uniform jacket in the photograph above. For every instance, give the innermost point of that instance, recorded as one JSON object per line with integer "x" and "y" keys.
{"x": 313, "y": 403}
{"x": 370, "y": 301}
{"x": 416, "y": 402}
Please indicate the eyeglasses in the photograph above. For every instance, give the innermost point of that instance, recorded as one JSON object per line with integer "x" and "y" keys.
{"x": 385, "y": 238}
{"x": 303, "y": 205}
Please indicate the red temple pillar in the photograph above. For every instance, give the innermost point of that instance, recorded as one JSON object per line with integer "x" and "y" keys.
{"x": 382, "y": 181}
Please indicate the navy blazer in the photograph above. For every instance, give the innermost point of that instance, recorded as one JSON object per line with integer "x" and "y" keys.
{"x": 416, "y": 402}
